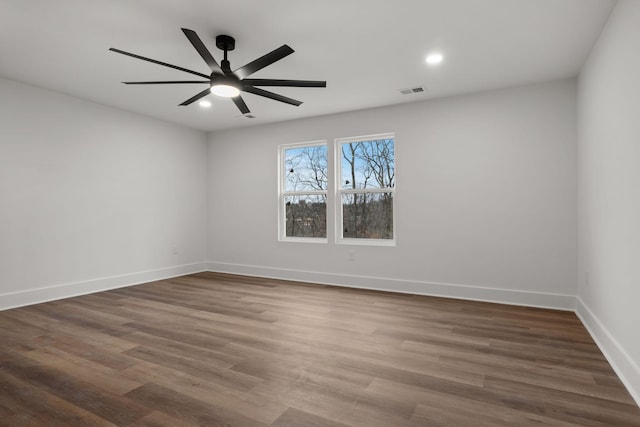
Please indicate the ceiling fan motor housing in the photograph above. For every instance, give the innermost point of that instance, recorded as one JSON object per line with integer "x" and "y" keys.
{"x": 225, "y": 42}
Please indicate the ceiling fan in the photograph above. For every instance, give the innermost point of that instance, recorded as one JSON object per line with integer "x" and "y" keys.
{"x": 227, "y": 83}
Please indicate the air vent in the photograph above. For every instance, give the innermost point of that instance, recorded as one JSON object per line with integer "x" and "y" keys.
{"x": 412, "y": 90}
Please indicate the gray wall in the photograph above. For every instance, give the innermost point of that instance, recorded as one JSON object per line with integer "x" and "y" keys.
{"x": 93, "y": 197}
{"x": 485, "y": 202}
{"x": 609, "y": 192}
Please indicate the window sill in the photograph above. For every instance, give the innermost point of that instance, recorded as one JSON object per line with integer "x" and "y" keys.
{"x": 366, "y": 242}
{"x": 303, "y": 240}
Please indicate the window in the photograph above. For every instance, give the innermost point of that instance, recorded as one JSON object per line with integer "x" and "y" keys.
{"x": 366, "y": 185}
{"x": 303, "y": 191}
{"x": 363, "y": 184}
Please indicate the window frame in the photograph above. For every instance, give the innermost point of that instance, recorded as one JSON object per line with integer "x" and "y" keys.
{"x": 339, "y": 192}
{"x": 282, "y": 194}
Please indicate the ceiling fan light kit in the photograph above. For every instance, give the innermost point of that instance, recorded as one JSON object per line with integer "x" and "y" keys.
{"x": 228, "y": 83}
{"x": 225, "y": 91}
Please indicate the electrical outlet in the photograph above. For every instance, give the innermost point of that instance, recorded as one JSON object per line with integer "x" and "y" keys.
{"x": 352, "y": 255}
{"x": 174, "y": 250}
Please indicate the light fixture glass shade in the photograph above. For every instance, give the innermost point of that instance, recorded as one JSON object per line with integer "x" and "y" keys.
{"x": 225, "y": 91}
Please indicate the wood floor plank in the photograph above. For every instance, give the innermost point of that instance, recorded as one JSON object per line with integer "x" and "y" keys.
{"x": 569, "y": 406}
{"x": 91, "y": 351}
{"x": 208, "y": 372}
{"x": 188, "y": 409}
{"x": 81, "y": 394}
{"x": 217, "y": 358}
{"x": 265, "y": 409}
{"x": 347, "y": 406}
{"x": 89, "y": 336}
{"x": 296, "y": 418}
{"x": 212, "y": 349}
{"x": 29, "y": 405}
{"x": 157, "y": 419}
{"x": 110, "y": 380}
{"x": 434, "y": 415}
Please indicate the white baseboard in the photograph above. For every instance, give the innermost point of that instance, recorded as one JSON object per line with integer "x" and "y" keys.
{"x": 475, "y": 293}
{"x": 68, "y": 290}
{"x": 625, "y": 367}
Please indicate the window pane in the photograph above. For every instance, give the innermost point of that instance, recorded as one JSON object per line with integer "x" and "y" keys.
{"x": 367, "y": 216}
{"x": 306, "y": 216}
{"x": 305, "y": 168}
{"x": 367, "y": 164}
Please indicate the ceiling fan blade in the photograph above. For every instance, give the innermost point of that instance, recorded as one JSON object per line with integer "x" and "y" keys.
{"x": 240, "y": 104}
{"x": 263, "y": 61}
{"x": 282, "y": 83}
{"x": 170, "y": 82}
{"x": 271, "y": 95}
{"x": 196, "y": 97}
{"x": 202, "y": 50}
{"x": 175, "y": 67}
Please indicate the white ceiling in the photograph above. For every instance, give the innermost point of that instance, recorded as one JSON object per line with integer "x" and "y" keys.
{"x": 366, "y": 49}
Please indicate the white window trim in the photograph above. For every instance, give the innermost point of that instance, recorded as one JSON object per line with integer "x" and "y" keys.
{"x": 282, "y": 217}
{"x": 337, "y": 155}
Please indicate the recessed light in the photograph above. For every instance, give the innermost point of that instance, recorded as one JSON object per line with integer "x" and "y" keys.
{"x": 204, "y": 103}
{"x": 434, "y": 58}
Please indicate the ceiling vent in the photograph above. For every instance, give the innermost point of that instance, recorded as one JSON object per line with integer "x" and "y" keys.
{"x": 412, "y": 90}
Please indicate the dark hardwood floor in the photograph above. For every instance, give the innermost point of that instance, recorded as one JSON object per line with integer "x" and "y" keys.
{"x": 221, "y": 350}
